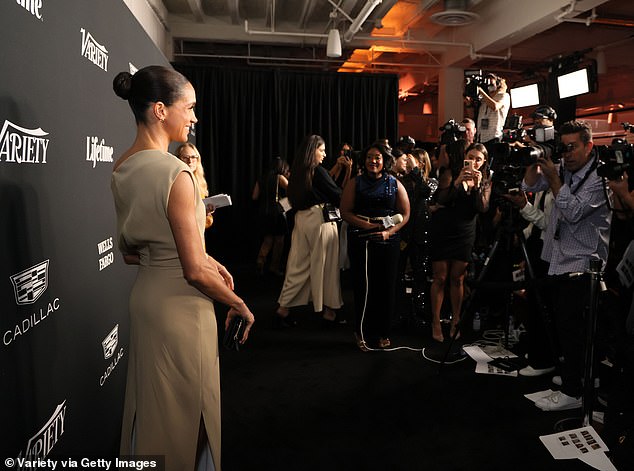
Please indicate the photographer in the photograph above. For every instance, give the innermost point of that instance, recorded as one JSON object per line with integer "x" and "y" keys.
{"x": 543, "y": 129}
{"x": 470, "y": 130}
{"x": 577, "y": 231}
{"x": 495, "y": 103}
{"x": 342, "y": 170}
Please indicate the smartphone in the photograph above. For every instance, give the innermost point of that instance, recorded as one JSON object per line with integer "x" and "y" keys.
{"x": 468, "y": 164}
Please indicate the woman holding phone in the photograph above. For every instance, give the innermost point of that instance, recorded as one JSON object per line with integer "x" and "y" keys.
{"x": 462, "y": 193}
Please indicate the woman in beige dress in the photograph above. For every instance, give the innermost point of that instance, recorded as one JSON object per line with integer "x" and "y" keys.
{"x": 172, "y": 402}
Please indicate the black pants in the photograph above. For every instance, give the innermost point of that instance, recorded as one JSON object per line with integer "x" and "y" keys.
{"x": 568, "y": 300}
{"x": 374, "y": 284}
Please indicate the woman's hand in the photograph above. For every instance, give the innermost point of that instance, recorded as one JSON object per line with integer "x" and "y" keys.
{"x": 226, "y": 276}
{"x": 241, "y": 310}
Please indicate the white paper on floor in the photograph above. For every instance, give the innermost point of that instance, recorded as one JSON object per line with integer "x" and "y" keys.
{"x": 482, "y": 359}
{"x": 582, "y": 443}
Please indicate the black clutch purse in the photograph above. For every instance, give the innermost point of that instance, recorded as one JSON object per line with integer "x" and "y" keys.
{"x": 331, "y": 213}
{"x": 234, "y": 333}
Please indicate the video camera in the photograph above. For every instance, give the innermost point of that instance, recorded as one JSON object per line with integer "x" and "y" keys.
{"x": 452, "y": 131}
{"x": 508, "y": 163}
{"x": 471, "y": 83}
{"x": 615, "y": 159}
{"x": 513, "y": 131}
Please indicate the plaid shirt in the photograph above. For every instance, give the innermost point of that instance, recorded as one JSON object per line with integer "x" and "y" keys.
{"x": 581, "y": 219}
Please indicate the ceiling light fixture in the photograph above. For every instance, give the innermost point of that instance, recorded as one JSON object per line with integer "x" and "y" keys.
{"x": 333, "y": 47}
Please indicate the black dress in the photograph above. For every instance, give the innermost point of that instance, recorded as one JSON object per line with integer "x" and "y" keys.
{"x": 453, "y": 227}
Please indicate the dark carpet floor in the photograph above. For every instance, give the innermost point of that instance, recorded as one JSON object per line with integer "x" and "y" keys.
{"x": 308, "y": 399}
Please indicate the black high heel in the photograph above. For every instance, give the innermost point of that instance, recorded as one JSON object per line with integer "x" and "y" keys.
{"x": 283, "y": 322}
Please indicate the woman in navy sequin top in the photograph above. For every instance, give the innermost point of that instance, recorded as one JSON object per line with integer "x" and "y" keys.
{"x": 373, "y": 245}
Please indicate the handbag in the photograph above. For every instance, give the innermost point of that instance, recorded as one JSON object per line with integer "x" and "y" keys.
{"x": 283, "y": 204}
{"x": 331, "y": 213}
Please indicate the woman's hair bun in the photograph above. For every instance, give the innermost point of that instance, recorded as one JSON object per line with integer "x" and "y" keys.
{"x": 122, "y": 84}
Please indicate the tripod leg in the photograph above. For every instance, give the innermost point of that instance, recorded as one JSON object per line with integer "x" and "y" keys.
{"x": 541, "y": 306}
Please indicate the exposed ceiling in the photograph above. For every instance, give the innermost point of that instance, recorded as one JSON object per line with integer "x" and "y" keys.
{"x": 414, "y": 39}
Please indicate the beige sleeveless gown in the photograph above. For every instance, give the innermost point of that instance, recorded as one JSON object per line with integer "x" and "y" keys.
{"x": 173, "y": 369}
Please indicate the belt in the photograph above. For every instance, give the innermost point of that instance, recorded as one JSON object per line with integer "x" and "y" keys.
{"x": 376, "y": 220}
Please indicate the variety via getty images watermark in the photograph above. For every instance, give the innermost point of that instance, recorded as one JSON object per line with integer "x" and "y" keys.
{"x": 154, "y": 463}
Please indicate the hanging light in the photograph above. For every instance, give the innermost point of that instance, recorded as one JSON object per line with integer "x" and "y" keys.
{"x": 333, "y": 47}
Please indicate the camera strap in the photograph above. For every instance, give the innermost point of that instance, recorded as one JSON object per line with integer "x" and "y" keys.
{"x": 573, "y": 191}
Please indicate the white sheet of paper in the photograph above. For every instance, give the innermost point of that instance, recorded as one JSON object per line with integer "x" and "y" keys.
{"x": 538, "y": 395}
{"x": 583, "y": 443}
{"x": 477, "y": 354}
{"x": 488, "y": 369}
{"x": 218, "y": 201}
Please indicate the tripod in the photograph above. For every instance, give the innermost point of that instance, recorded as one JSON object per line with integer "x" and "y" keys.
{"x": 507, "y": 230}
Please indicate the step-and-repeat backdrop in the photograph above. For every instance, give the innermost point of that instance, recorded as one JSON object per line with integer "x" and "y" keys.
{"x": 63, "y": 284}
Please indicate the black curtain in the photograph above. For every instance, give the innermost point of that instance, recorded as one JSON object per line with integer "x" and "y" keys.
{"x": 247, "y": 116}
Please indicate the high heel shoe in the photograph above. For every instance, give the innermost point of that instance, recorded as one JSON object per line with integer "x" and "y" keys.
{"x": 452, "y": 330}
{"x": 436, "y": 333}
{"x": 283, "y": 322}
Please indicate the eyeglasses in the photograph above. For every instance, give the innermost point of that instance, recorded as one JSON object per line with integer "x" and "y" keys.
{"x": 187, "y": 158}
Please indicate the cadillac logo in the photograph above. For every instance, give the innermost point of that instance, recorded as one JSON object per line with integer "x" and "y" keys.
{"x": 110, "y": 342}
{"x": 29, "y": 284}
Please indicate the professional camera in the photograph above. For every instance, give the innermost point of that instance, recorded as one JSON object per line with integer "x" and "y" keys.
{"x": 508, "y": 162}
{"x": 452, "y": 131}
{"x": 471, "y": 84}
{"x": 615, "y": 159}
{"x": 542, "y": 133}
{"x": 513, "y": 131}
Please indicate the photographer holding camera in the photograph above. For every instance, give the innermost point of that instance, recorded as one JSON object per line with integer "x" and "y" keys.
{"x": 495, "y": 103}
{"x": 578, "y": 231}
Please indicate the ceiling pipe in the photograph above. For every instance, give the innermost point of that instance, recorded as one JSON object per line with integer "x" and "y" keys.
{"x": 354, "y": 28}
{"x": 472, "y": 53}
{"x": 400, "y": 65}
{"x": 281, "y": 33}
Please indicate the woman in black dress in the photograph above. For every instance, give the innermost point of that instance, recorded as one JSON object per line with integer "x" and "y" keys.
{"x": 268, "y": 190}
{"x": 462, "y": 193}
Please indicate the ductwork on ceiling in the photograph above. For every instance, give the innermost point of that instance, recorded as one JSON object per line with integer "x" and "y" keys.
{"x": 455, "y": 13}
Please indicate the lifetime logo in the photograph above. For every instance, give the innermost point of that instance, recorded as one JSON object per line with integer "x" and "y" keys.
{"x": 32, "y": 6}
{"x": 23, "y": 146}
{"x": 93, "y": 51}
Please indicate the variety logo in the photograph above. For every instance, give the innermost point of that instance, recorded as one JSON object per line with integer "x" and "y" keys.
{"x": 32, "y": 6}
{"x": 41, "y": 444}
{"x": 98, "y": 151}
{"x": 107, "y": 259}
{"x": 22, "y": 146}
{"x": 29, "y": 284}
{"x": 93, "y": 51}
{"x": 109, "y": 345}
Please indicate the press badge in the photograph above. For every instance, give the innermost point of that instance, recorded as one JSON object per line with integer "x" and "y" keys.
{"x": 484, "y": 123}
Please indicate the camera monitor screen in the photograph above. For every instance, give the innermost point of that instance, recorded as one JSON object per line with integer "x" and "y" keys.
{"x": 527, "y": 95}
{"x": 574, "y": 83}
